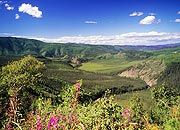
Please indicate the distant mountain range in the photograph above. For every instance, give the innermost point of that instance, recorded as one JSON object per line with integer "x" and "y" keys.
{"x": 22, "y": 46}
{"x": 150, "y": 48}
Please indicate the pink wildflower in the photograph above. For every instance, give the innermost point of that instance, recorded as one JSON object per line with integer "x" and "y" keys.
{"x": 9, "y": 126}
{"x": 38, "y": 123}
{"x": 126, "y": 113}
{"x": 78, "y": 86}
{"x": 53, "y": 122}
{"x": 63, "y": 127}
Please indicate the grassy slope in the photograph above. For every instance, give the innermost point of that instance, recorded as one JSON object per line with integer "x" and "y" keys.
{"x": 168, "y": 55}
{"x": 114, "y": 63}
{"x": 110, "y": 65}
{"x": 91, "y": 81}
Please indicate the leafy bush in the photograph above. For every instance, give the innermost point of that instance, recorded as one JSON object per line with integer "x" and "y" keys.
{"x": 17, "y": 80}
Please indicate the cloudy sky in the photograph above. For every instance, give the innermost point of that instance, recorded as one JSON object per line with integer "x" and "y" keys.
{"x": 113, "y": 22}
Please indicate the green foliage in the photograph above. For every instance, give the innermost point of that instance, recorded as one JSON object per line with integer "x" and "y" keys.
{"x": 164, "y": 94}
{"x": 4, "y": 60}
{"x": 138, "y": 111}
{"x": 21, "y": 74}
{"x": 165, "y": 111}
{"x": 137, "y": 55}
{"x": 92, "y": 82}
{"x": 17, "y": 80}
{"x": 172, "y": 124}
{"x": 103, "y": 114}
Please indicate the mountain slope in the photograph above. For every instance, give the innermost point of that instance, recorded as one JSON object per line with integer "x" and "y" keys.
{"x": 171, "y": 76}
{"x": 21, "y": 46}
{"x": 159, "y": 64}
{"x": 148, "y": 71}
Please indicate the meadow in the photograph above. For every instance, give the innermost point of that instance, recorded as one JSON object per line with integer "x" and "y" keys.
{"x": 110, "y": 66}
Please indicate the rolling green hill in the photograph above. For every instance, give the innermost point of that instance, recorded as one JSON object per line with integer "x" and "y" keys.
{"x": 21, "y": 46}
{"x": 98, "y": 65}
{"x": 111, "y": 65}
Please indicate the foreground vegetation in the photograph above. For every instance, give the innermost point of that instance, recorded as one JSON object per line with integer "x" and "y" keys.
{"x": 66, "y": 107}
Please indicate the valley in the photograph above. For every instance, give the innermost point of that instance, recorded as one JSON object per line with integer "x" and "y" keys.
{"x": 124, "y": 71}
{"x": 98, "y": 65}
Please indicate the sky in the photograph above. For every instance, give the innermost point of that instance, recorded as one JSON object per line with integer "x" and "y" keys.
{"x": 112, "y": 22}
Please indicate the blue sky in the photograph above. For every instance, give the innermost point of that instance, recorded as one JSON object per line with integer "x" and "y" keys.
{"x": 92, "y": 21}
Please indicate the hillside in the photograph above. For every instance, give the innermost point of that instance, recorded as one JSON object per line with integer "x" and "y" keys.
{"x": 148, "y": 71}
{"x": 114, "y": 63}
{"x": 155, "y": 67}
{"x": 171, "y": 76}
{"x": 144, "y": 62}
{"x": 21, "y": 46}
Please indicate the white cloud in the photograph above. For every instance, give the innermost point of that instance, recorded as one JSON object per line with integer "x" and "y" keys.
{"x": 8, "y": 7}
{"x": 132, "y": 38}
{"x": 17, "y": 16}
{"x": 90, "y": 22}
{"x": 178, "y": 12}
{"x": 3, "y": 2}
{"x": 29, "y": 9}
{"x": 152, "y": 14}
{"x": 136, "y": 14}
{"x": 148, "y": 20}
{"x": 5, "y": 34}
{"x": 177, "y": 20}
